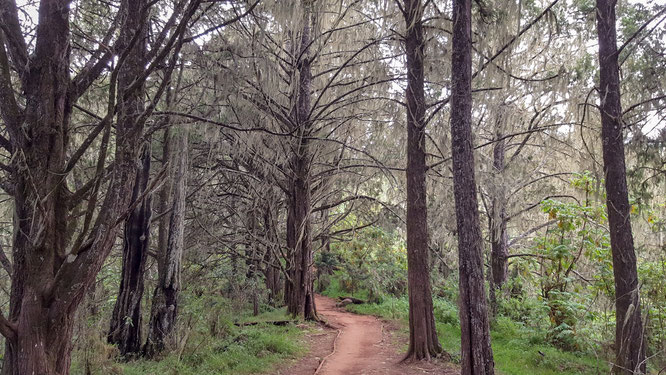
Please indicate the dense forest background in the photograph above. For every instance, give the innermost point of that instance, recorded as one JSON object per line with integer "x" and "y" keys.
{"x": 173, "y": 172}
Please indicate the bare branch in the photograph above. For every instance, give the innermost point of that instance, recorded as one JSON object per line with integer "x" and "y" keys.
{"x": 7, "y": 328}
{"x": 9, "y": 110}
{"x": 12, "y": 29}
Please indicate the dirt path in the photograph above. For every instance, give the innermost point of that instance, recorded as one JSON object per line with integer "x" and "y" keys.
{"x": 360, "y": 343}
{"x": 363, "y": 345}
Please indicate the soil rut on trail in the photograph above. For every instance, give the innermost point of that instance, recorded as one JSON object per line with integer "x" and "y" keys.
{"x": 364, "y": 346}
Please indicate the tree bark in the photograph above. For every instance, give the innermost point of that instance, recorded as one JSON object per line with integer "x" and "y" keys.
{"x": 325, "y": 236}
{"x": 423, "y": 341}
{"x": 42, "y": 149}
{"x": 300, "y": 300}
{"x": 164, "y": 309}
{"x": 125, "y": 330}
{"x": 272, "y": 278}
{"x": 125, "y": 327}
{"x": 300, "y": 289}
{"x": 164, "y": 196}
{"x": 271, "y": 273}
{"x": 499, "y": 248}
{"x": 476, "y": 352}
{"x": 251, "y": 258}
{"x": 629, "y": 341}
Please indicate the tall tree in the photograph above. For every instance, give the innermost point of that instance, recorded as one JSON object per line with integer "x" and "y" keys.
{"x": 476, "y": 352}
{"x": 305, "y": 89}
{"x": 423, "y": 342}
{"x": 300, "y": 296}
{"x": 629, "y": 343}
{"x": 125, "y": 327}
{"x": 164, "y": 310}
{"x": 56, "y": 258}
{"x": 46, "y": 289}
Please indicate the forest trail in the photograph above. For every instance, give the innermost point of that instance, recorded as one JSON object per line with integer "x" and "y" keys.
{"x": 358, "y": 348}
{"x": 363, "y": 345}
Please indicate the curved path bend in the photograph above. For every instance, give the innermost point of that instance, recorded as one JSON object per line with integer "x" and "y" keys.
{"x": 364, "y": 345}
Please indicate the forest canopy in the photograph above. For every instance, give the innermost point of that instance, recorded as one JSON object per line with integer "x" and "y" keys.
{"x": 186, "y": 185}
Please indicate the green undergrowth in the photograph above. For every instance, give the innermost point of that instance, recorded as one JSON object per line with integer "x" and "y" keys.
{"x": 517, "y": 349}
{"x": 267, "y": 316}
{"x": 335, "y": 290}
{"x": 250, "y": 350}
{"x": 213, "y": 345}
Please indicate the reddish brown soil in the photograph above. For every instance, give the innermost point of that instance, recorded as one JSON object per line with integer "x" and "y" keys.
{"x": 358, "y": 345}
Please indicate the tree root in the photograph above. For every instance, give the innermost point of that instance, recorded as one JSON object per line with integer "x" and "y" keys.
{"x": 411, "y": 357}
{"x": 321, "y": 364}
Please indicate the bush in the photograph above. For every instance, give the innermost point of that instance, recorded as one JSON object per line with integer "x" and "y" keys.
{"x": 445, "y": 312}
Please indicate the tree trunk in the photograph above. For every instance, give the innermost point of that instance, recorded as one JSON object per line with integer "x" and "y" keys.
{"x": 252, "y": 259}
{"x": 271, "y": 273}
{"x": 42, "y": 346}
{"x": 499, "y": 249}
{"x": 291, "y": 248}
{"x": 300, "y": 289}
{"x": 165, "y": 193}
{"x": 476, "y": 352}
{"x": 300, "y": 300}
{"x": 629, "y": 342}
{"x": 125, "y": 330}
{"x": 323, "y": 283}
{"x": 38, "y": 251}
{"x": 164, "y": 309}
{"x": 51, "y": 274}
{"x": 423, "y": 341}
{"x": 272, "y": 277}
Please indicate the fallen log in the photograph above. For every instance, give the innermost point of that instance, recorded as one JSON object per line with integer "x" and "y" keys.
{"x": 355, "y": 301}
{"x": 273, "y": 322}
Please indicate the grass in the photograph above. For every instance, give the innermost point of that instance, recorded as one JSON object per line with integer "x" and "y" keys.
{"x": 252, "y": 350}
{"x": 518, "y": 350}
{"x": 232, "y": 350}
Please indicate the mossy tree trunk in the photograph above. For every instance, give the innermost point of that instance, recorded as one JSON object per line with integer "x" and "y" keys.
{"x": 125, "y": 329}
{"x": 164, "y": 309}
{"x": 300, "y": 289}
